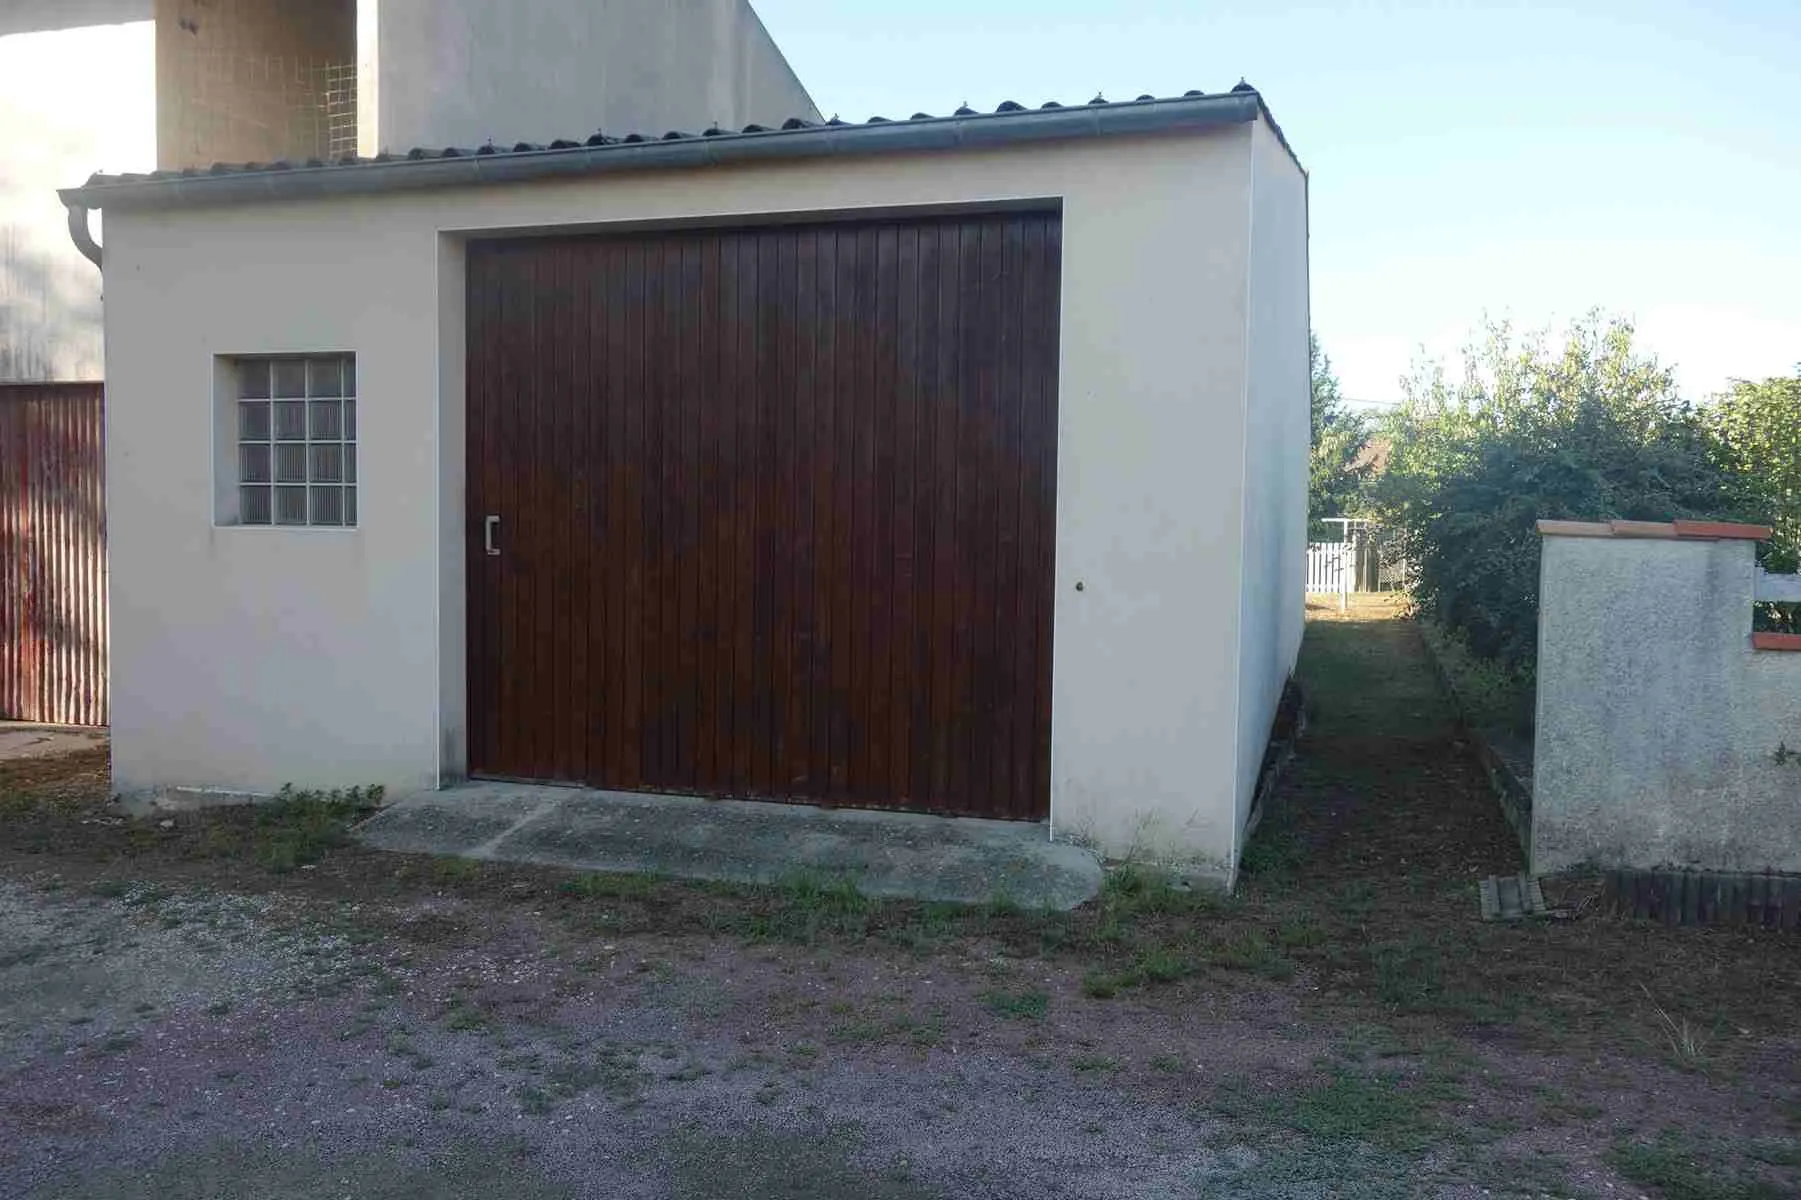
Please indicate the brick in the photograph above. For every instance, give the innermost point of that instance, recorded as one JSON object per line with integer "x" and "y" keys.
{"x": 1575, "y": 529}
{"x": 1642, "y": 529}
{"x": 1722, "y": 530}
{"x": 1776, "y": 641}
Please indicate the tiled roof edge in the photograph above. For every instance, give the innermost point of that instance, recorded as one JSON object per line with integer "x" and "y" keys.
{"x": 1714, "y": 531}
{"x": 795, "y": 139}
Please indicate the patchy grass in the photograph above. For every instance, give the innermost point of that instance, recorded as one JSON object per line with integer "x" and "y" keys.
{"x": 60, "y": 807}
{"x": 1680, "y": 1167}
{"x": 302, "y": 827}
{"x": 1350, "y": 1131}
{"x": 590, "y": 885}
{"x": 1376, "y": 1109}
{"x": 1028, "y": 1005}
{"x": 803, "y": 908}
{"x": 1688, "y": 1043}
{"x": 1494, "y": 696}
{"x": 1278, "y": 852}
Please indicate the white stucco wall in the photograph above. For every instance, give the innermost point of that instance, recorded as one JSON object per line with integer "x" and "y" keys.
{"x": 1658, "y": 721}
{"x": 1271, "y": 587}
{"x": 73, "y": 100}
{"x": 245, "y": 658}
{"x": 465, "y": 72}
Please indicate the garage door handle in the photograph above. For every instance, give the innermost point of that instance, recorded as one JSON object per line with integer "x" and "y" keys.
{"x": 490, "y": 526}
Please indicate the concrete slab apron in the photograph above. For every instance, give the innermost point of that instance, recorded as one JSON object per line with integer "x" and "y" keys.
{"x": 902, "y": 855}
{"x": 20, "y": 741}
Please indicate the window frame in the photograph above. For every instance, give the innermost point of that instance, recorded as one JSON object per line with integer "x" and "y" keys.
{"x": 228, "y": 443}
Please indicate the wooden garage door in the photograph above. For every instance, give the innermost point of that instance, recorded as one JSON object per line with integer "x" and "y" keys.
{"x": 773, "y": 511}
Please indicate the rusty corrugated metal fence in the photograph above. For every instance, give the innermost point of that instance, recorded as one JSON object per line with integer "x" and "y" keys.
{"x": 53, "y": 622}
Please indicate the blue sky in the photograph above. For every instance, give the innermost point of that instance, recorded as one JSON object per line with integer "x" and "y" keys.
{"x": 1522, "y": 160}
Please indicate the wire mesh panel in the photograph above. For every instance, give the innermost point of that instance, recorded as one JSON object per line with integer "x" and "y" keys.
{"x": 239, "y": 107}
{"x": 340, "y": 100}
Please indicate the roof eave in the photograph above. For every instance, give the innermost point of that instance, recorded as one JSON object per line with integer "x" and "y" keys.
{"x": 925, "y": 135}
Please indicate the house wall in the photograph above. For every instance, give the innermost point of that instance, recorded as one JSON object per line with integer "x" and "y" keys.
{"x": 245, "y": 658}
{"x": 246, "y": 80}
{"x": 466, "y": 72}
{"x": 1271, "y": 595}
{"x": 1658, "y": 722}
{"x": 75, "y": 100}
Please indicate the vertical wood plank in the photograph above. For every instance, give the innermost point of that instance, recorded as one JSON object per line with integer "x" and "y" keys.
{"x": 863, "y": 501}
{"x": 562, "y": 406}
{"x": 1037, "y": 289}
{"x": 799, "y": 766}
{"x": 513, "y": 349}
{"x": 1010, "y": 584}
{"x": 974, "y": 498}
{"x": 878, "y": 782}
{"x": 594, "y": 447}
{"x": 654, "y": 591}
{"x": 692, "y": 399}
{"x": 928, "y": 485}
{"x": 903, "y": 459}
{"x": 478, "y": 707}
{"x": 622, "y": 694}
{"x": 826, "y": 513}
{"x": 542, "y": 518}
{"x": 744, "y": 506}
{"x": 764, "y": 490}
{"x": 946, "y": 566}
{"x": 784, "y": 518}
{"x": 841, "y": 580}
{"x": 1048, "y": 297}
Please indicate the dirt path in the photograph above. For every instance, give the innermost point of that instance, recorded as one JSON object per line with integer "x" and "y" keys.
{"x": 239, "y": 1006}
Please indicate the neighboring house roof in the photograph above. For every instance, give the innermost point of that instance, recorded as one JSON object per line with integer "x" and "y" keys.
{"x": 1374, "y": 455}
{"x": 795, "y": 139}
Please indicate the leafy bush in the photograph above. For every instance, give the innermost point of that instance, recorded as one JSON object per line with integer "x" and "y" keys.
{"x": 1759, "y": 430}
{"x": 1493, "y": 696}
{"x": 1591, "y": 431}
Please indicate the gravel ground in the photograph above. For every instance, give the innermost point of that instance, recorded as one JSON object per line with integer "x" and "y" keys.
{"x": 217, "y": 1045}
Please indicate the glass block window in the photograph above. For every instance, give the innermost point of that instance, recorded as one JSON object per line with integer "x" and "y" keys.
{"x": 297, "y": 440}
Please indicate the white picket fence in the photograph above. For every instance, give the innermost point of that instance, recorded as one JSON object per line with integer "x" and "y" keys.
{"x": 1332, "y": 569}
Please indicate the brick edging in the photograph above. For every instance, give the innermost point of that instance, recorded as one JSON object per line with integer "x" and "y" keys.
{"x": 1280, "y": 753}
{"x": 1511, "y": 792}
{"x": 1680, "y": 896}
{"x": 1776, "y": 641}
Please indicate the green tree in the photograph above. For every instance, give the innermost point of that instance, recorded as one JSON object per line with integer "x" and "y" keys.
{"x": 1336, "y": 478}
{"x": 1590, "y": 430}
{"x": 1759, "y": 427}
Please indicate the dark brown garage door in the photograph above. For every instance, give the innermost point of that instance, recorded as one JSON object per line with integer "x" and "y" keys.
{"x": 771, "y": 511}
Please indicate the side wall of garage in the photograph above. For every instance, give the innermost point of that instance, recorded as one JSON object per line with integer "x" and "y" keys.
{"x": 250, "y": 657}
{"x": 1271, "y": 587}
